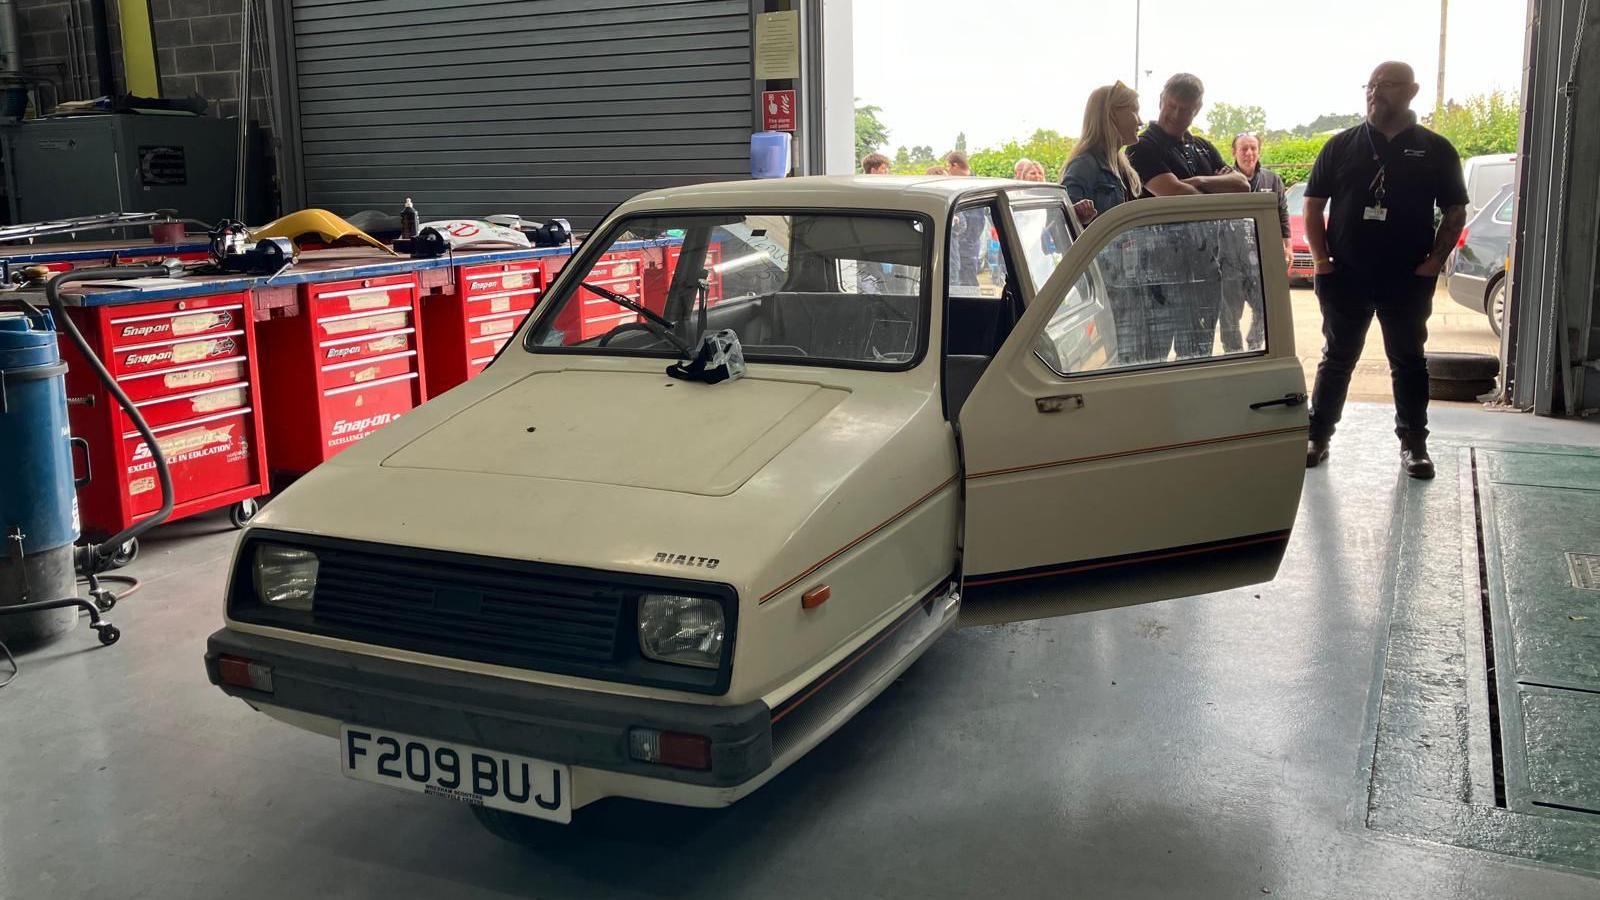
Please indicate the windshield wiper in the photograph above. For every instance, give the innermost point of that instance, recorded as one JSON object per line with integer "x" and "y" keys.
{"x": 663, "y": 327}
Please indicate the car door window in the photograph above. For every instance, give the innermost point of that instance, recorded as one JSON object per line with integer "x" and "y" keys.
{"x": 1163, "y": 294}
{"x": 976, "y": 264}
{"x": 1042, "y": 231}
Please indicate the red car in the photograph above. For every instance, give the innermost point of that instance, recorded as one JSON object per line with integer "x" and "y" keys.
{"x": 1301, "y": 268}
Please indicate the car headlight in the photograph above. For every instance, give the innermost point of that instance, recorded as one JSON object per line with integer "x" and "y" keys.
{"x": 285, "y": 577}
{"x": 684, "y": 630}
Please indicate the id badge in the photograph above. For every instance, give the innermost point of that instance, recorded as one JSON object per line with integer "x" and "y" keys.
{"x": 1375, "y": 214}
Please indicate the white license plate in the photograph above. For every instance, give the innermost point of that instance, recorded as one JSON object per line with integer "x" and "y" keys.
{"x": 531, "y": 787}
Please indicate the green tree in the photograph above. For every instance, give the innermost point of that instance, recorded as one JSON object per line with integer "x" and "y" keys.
{"x": 921, "y": 157}
{"x": 871, "y": 133}
{"x": 961, "y": 141}
{"x": 1291, "y": 158}
{"x": 1327, "y": 122}
{"x": 1224, "y": 120}
{"x": 1481, "y": 125}
{"x": 902, "y": 157}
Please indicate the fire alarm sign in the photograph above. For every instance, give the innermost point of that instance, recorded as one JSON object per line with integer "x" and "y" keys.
{"x": 777, "y": 110}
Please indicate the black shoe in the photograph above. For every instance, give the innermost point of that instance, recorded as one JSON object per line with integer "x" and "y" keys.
{"x": 1414, "y": 458}
{"x": 1316, "y": 452}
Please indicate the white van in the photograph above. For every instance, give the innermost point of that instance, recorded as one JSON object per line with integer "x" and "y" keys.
{"x": 1485, "y": 175}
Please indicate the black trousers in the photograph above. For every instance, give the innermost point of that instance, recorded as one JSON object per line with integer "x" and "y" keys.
{"x": 1402, "y": 304}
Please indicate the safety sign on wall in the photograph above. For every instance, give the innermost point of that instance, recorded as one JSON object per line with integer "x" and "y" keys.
{"x": 777, "y": 110}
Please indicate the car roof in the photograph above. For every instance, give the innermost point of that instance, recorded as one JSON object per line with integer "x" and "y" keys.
{"x": 932, "y": 195}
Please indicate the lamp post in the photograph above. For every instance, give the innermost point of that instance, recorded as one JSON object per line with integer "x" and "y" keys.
{"x": 1137, "y": 21}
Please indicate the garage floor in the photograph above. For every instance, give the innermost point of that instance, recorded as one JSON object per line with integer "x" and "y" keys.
{"x": 1320, "y": 736}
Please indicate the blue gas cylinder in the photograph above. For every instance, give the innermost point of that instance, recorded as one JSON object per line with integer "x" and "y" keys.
{"x": 38, "y": 500}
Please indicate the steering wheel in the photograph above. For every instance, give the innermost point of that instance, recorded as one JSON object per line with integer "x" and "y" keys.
{"x": 626, "y": 327}
{"x": 652, "y": 320}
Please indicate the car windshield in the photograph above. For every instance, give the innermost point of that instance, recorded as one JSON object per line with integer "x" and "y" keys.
{"x": 796, "y": 287}
{"x": 1295, "y": 197}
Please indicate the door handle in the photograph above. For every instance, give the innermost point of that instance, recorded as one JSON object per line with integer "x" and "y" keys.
{"x": 1285, "y": 400}
{"x": 1060, "y": 403}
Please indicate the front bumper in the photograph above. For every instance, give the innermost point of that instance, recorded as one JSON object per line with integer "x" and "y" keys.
{"x": 563, "y": 725}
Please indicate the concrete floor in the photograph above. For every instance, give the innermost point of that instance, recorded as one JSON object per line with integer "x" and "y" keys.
{"x": 1218, "y": 746}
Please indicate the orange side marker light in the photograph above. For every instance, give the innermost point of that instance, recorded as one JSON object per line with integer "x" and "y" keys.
{"x": 815, "y": 597}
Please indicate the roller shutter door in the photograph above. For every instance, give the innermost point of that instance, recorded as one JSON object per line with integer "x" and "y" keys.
{"x": 540, "y": 107}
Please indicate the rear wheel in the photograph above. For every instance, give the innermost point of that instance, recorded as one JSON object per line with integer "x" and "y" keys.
{"x": 522, "y": 830}
{"x": 1495, "y": 305}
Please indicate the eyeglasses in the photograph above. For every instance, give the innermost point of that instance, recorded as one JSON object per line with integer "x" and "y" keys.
{"x": 1381, "y": 85}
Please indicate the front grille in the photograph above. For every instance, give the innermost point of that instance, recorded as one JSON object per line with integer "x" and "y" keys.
{"x": 468, "y": 611}
{"x": 1302, "y": 260}
{"x": 527, "y": 615}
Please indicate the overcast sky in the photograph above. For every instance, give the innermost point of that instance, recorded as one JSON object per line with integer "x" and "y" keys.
{"x": 999, "y": 69}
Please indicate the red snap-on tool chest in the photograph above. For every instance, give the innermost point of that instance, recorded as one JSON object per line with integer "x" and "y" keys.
{"x": 348, "y": 364}
{"x": 462, "y": 332}
{"x": 190, "y": 366}
{"x": 658, "y": 277}
{"x": 593, "y": 315}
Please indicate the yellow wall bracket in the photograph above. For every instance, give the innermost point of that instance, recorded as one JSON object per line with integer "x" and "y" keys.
{"x": 138, "y": 49}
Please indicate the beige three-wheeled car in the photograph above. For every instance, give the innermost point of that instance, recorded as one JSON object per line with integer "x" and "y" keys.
{"x": 579, "y": 576}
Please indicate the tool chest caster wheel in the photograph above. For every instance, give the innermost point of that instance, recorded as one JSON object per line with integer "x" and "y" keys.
{"x": 109, "y": 634}
{"x": 125, "y": 554}
{"x": 242, "y": 512}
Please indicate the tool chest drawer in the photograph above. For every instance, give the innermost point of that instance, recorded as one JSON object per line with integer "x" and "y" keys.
{"x": 133, "y": 328}
{"x": 340, "y": 298}
{"x": 177, "y": 408}
{"x": 348, "y": 325}
{"x": 165, "y": 382}
{"x": 207, "y": 457}
{"x": 369, "y": 369}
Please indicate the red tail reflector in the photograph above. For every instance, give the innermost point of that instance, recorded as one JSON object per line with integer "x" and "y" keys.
{"x": 1462, "y": 240}
{"x": 245, "y": 673}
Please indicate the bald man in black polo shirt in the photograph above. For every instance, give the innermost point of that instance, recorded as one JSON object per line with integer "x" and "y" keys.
{"x": 1380, "y": 255}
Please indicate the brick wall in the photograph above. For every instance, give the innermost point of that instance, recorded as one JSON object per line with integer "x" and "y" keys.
{"x": 48, "y": 45}
{"x": 197, "y": 51}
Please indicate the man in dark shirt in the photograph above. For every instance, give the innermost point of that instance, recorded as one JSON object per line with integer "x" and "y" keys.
{"x": 1171, "y": 162}
{"x": 1379, "y": 254}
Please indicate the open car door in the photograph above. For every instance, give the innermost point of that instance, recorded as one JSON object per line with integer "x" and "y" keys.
{"x": 1141, "y": 433}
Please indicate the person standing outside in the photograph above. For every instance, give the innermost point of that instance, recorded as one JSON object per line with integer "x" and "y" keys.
{"x": 1026, "y": 169}
{"x": 1173, "y": 162}
{"x": 970, "y": 229}
{"x": 1099, "y": 174}
{"x": 1379, "y": 255}
{"x": 1169, "y": 159}
{"x": 1247, "y": 162}
{"x": 875, "y": 164}
{"x": 1235, "y": 295}
{"x": 1098, "y": 169}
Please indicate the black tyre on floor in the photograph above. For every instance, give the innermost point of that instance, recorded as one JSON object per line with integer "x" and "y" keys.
{"x": 521, "y": 830}
{"x": 1445, "y": 389}
{"x": 1445, "y": 365}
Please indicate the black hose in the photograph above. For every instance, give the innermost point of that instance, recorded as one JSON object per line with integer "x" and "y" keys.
{"x": 97, "y": 557}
